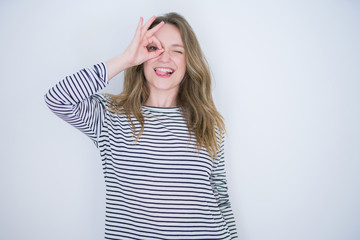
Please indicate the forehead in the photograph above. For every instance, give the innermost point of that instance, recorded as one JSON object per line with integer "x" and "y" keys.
{"x": 169, "y": 35}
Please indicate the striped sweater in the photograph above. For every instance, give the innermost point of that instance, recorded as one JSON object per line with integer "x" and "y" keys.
{"x": 159, "y": 187}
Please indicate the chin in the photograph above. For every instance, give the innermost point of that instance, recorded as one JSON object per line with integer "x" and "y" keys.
{"x": 163, "y": 84}
{"x": 164, "y": 87}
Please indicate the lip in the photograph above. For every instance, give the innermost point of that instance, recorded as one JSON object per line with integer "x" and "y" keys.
{"x": 162, "y": 75}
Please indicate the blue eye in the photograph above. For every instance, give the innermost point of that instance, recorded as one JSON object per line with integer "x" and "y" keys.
{"x": 152, "y": 48}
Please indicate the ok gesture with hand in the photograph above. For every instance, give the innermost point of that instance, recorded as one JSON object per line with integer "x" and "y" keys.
{"x": 137, "y": 52}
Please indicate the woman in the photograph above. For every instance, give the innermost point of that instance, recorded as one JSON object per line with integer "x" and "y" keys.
{"x": 160, "y": 140}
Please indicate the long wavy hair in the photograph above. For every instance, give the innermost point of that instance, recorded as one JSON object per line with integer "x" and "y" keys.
{"x": 194, "y": 96}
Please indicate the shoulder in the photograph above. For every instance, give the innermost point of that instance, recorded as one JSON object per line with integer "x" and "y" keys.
{"x": 101, "y": 98}
{"x": 108, "y": 103}
{"x": 220, "y": 135}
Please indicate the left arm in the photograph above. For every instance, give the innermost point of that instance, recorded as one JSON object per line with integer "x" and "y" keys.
{"x": 219, "y": 184}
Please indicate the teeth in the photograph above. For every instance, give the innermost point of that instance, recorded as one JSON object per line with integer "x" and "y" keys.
{"x": 164, "y": 70}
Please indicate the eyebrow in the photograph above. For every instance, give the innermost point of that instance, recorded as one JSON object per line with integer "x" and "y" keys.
{"x": 177, "y": 45}
{"x": 174, "y": 45}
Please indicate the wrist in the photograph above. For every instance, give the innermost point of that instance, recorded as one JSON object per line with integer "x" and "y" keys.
{"x": 117, "y": 65}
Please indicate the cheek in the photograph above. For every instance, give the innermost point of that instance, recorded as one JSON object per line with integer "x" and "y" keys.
{"x": 147, "y": 69}
{"x": 181, "y": 63}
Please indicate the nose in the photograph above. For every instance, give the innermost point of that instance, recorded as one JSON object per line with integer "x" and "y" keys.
{"x": 164, "y": 56}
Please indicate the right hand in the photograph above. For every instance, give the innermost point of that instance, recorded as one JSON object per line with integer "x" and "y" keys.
{"x": 137, "y": 52}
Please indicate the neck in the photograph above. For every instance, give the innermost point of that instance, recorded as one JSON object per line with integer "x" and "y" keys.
{"x": 162, "y": 99}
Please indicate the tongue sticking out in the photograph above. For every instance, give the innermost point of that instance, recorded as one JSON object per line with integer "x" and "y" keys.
{"x": 161, "y": 73}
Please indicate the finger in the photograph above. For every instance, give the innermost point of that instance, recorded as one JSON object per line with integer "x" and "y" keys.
{"x": 155, "y": 29}
{"x": 138, "y": 28}
{"x": 155, "y": 41}
{"x": 155, "y": 53}
{"x": 147, "y": 25}
{"x": 145, "y": 42}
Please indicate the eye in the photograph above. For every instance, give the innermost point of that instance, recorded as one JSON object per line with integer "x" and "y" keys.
{"x": 152, "y": 48}
{"x": 179, "y": 52}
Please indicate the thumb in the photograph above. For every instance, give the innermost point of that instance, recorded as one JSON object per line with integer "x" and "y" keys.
{"x": 156, "y": 53}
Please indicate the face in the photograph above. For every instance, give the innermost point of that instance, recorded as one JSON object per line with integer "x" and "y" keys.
{"x": 165, "y": 72}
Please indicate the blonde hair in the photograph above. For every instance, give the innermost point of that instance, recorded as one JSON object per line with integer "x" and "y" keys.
{"x": 194, "y": 96}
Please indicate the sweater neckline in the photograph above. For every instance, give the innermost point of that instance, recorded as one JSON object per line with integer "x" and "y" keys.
{"x": 161, "y": 109}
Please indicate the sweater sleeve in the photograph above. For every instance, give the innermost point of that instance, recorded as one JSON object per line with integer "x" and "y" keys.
{"x": 219, "y": 185}
{"x": 74, "y": 99}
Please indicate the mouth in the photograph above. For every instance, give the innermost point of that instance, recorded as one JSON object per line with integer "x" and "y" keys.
{"x": 164, "y": 71}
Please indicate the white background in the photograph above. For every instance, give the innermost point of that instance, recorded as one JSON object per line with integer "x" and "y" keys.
{"x": 286, "y": 79}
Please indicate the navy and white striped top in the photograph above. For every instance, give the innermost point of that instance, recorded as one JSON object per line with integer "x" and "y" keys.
{"x": 159, "y": 187}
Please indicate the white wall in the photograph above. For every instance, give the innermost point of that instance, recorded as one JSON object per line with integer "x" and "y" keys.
{"x": 287, "y": 80}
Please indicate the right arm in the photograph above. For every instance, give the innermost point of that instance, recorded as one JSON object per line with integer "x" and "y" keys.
{"x": 74, "y": 100}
